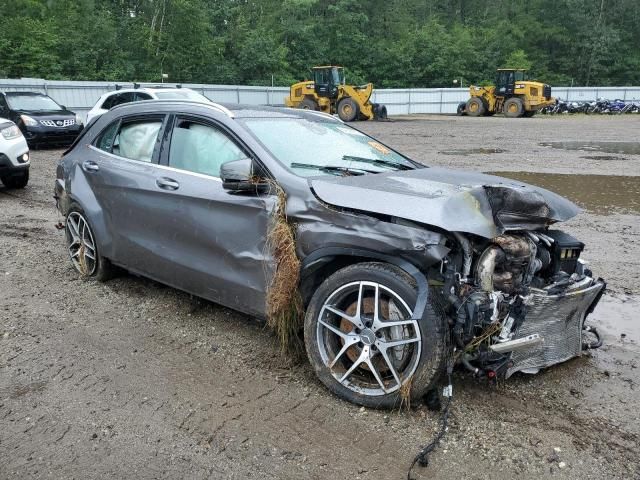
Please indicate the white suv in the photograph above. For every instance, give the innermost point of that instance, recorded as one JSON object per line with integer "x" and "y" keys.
{"x": 109, "y": 100}
{"x": 14, "y": 155}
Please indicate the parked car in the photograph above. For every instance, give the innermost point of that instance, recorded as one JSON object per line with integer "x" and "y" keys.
{"x": 398, "y": 261}
{"x": 112, "y": 99}
{"x": 40, "y": 118}
{"x": 14, "y": 155}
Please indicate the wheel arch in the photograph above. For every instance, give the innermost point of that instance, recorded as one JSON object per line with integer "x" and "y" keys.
{"x": 324, "y": 262}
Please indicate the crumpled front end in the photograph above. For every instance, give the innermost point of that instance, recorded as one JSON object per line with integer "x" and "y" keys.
{"x": 558, "y": 320}
{"x": 518, "y": 302}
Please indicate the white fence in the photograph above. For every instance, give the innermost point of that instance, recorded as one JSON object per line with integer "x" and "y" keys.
{"x": 81, "y": 96}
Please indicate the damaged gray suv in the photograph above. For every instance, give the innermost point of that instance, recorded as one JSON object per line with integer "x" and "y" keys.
{"x": 399, "y": 270}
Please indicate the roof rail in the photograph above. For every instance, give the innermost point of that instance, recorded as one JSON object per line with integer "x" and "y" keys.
{"x": 223, "y": 109}
{"x": 215, "y": 106}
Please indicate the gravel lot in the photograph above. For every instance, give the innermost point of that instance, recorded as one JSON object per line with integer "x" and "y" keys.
{"x": 130, "y": 379}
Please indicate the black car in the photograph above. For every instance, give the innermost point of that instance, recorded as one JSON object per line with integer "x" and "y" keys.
{"x": 42, "y": 120}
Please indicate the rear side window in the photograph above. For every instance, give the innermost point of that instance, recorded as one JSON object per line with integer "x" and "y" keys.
{"x": 109, "y": 101}
{"x": 132, "y": 139}
{"x": 201, "y": 148}
{"x": 142, "y": 96}
{"x": 118, "y": 99}
{"x": 105, "y": 139}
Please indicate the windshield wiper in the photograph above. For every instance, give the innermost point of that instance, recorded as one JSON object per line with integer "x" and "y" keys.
{"x": 334, "y": 169}
{"x": 378, "y": 161}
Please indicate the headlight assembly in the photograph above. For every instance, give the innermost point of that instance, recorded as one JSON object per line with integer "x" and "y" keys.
{"x": 11, "y": 132}
{"x": 28, "y": 121}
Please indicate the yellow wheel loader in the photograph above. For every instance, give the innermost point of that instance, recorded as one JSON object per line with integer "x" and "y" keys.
{"x": 513, "y": 94}
{"x": 329, "y": 93}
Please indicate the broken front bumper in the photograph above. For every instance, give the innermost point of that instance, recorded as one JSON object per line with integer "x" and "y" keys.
{"x": 559, "y": 320}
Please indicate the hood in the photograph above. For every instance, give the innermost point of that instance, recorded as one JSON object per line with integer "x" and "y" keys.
{"x": 455, "y": 201}
{"x": 47, "y": 114}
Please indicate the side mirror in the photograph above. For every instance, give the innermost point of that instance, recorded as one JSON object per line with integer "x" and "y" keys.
{"x": 241, "y": 176}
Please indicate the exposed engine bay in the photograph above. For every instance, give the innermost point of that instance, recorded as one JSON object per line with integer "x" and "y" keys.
{"x": 517, "y": 302}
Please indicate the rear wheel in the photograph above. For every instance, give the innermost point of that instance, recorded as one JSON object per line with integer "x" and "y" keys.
{"x": 475, "y": 107}
{"x": 308, "y": 104}
{"x": 513, "y": 107}
{"x": 83, "y": 249}
{"x": 19, "y": 180}
{"x": 363, "y": 342}
{"x": 348, "y": 109}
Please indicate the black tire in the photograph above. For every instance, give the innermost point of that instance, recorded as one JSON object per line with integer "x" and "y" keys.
{"x": 101, "y": 269}
{"x": 475, "y": 107}
{"x": 428, "y": 364}
{"x": 513, "y": 107}
{"x": 308, "y": 104}
{"x": 19, "y": 180}
{"x": 348, "y": 109}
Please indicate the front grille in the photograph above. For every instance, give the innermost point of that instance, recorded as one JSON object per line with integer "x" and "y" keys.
{"x": 558, "y": 319}
{"x": 546, "y": 91}
{"x": 58, "y": 123}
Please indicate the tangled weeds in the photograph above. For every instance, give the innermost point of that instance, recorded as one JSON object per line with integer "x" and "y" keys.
{"x": 284, "y": 302}
{"x": 405, "y": 394}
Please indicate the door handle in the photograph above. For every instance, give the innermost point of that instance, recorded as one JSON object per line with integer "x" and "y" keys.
{"x": 89, "y": 166}
{"x": 167, "y": 183}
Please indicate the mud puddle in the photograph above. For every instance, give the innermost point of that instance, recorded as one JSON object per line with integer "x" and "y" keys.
{"x": 627, "y": 148}
{"x": 618, "y": 318}
{"x": 473, "y": 151}
{"x": 600, "y": 194}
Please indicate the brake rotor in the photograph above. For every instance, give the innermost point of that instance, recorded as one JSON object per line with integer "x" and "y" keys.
{"x": 368, "y": 305}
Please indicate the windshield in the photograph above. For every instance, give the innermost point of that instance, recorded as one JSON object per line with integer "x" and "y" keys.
{"x": 520, "y": 76}
{"x": 32, "y": 103}
{"x": 312, "y": 148}
{"x": 338, "y": 76}
{"x": 182, "y": 94}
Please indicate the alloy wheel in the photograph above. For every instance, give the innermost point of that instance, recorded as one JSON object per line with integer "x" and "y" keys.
{"x": 81, "y": 245}
{"x": 367, "y": 338}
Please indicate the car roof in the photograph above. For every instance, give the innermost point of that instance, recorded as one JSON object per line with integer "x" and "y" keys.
{"x": 148, "y": 89}
{"x": 233, "y": 110}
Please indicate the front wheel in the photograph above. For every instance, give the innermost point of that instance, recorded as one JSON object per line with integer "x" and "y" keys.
{"x": 348, "y": 109}
{"x": 363, "y": 342}
{"x": 475, "y": 107}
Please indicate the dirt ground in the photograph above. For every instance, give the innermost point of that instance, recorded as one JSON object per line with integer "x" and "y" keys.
{"x": 130, "y": 379}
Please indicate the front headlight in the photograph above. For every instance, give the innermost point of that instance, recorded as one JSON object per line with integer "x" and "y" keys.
{"x": 28, "y": 121}
{"x": 11, "y": 132}
{"x": 78, "y": 119}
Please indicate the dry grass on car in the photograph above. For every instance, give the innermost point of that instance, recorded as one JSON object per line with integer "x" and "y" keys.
{"x": 284, "y": 302}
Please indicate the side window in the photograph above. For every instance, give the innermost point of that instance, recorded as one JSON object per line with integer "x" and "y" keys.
{"x": 105, "y": 139}
{"x": 132, "y": 139}
{"x": 126, "y": 97}
{"x": 201, "y": 148}
{"x": 109, "y": 102}
{"x": 142, "y": 96}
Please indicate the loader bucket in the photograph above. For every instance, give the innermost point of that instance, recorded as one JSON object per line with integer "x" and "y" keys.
{"x": 379, "y": 112}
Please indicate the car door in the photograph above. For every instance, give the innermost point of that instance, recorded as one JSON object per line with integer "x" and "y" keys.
{"x": 214, "y": 241}
{"x": 121, "y": 172}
